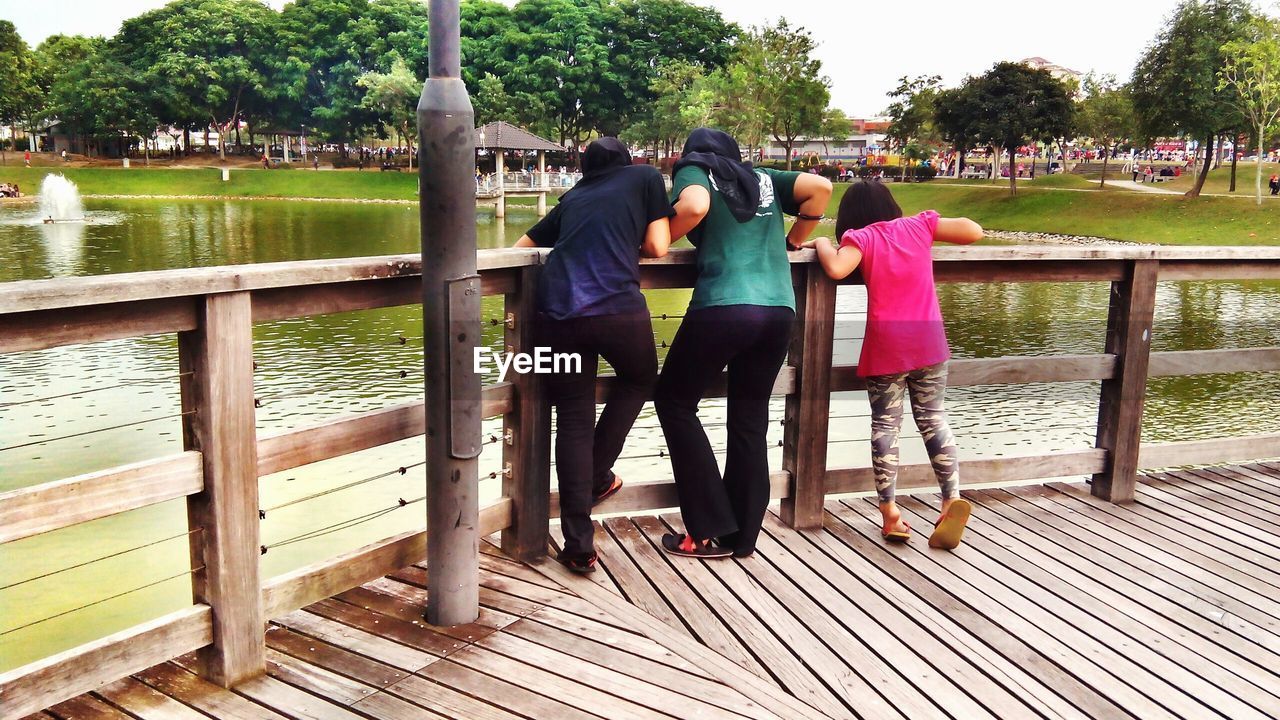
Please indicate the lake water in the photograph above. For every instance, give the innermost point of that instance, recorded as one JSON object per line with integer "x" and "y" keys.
{"x": 78, "y": 409}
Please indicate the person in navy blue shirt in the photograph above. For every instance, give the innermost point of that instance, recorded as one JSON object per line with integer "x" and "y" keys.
{"x": 589, "y": 303}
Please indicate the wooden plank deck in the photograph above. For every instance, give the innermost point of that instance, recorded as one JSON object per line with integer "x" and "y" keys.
{"x": 1058, "y": 605}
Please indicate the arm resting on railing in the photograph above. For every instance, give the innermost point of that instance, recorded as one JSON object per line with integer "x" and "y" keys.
{"x": 693, "y": 204}
{"x": 957, "y": 231}
{"x": 657, "y": 239}
{"x": 812, "y": 193}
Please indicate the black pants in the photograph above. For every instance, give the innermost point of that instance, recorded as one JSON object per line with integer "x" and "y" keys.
{"x": 752, "y": 341}
{"x": 586, "y": 449}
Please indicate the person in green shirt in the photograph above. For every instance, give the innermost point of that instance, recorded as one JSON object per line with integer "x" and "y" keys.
{"x": 739, "y": 317}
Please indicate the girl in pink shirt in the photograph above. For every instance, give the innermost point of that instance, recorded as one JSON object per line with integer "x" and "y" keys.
{"x": 905, "y": 348}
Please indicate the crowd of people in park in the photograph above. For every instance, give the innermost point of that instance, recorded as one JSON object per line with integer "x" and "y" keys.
{"x": 739, "y": 319}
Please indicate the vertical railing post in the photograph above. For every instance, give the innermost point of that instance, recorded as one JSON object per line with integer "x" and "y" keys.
{"x": 1130, "y": 318}
{"x": 451, "y": 326}
{"x": 527, "y": 435}
{"x": 216, "y": 361}
{"x": 804, "y": 439}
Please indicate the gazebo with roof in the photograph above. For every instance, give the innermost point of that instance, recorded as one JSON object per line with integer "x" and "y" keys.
{"x": 499, "y": 137}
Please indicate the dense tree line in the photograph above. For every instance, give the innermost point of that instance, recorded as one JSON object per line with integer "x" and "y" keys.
{"x": 340, "y": 68}
{"x": 1211, "y": 73}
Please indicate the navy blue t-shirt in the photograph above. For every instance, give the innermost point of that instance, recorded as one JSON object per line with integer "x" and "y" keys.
{"x": 595, "y": 233}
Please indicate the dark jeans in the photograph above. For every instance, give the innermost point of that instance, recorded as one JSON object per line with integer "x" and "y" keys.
{"x": 586, "y": 449}
{"x": 752, "y": 341}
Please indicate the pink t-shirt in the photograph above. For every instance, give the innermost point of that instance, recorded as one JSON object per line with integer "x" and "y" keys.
{"x": 904, "y": 323}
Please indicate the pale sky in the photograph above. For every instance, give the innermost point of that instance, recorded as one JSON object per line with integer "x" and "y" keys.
{"x": 864, "y": 46}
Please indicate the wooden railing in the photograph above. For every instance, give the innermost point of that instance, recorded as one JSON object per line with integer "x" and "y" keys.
{"x": 212, "y": 311}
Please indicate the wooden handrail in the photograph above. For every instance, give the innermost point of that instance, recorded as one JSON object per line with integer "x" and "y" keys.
{"x": 32, "y": 295}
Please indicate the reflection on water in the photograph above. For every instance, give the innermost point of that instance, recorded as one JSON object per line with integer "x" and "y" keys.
{"x": 311, "y": 369}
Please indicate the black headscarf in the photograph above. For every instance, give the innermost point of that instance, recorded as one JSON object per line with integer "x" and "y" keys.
{"x": 602, "y": 159}
{"x": 604, "y": 156}
{"x": 717, "y": 152}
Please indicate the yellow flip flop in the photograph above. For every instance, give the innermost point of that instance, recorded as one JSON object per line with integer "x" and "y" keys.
{"x": 897, "y": 536}
{"x": 946, "y": 536}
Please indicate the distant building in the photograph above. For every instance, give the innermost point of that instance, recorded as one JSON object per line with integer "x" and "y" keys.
{"x": 1065, "y": 74}
{"x": 865, "y": 135}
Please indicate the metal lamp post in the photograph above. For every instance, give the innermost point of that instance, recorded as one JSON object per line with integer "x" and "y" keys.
{"x": 451, "y": 325}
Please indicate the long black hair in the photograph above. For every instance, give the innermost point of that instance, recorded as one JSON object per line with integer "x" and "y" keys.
{"x": 865, "y": 203}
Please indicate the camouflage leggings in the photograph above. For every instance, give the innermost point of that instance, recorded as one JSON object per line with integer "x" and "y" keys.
{"x": 886, "y": 393}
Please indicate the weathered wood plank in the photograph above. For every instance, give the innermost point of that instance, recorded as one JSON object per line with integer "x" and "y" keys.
{"x": 419, "y": 636}
{"x": 315, "y": 679}
{"x": 662, "y": 700}
{"x": 1130, "y": 320}
{"x": 1161, "y": 603}
{"x": 27, "y": 295}
{"x": 1022, "y": 270}
{"x": 354, "y": 640}
{"x": 41, "y": 329}
{"x": 1215, "y": 269}
{"x": 86, "y": 707}
{"x": 676, "y": 269}
{"x": 1126, "y": 623}
{"x": 49, "y": 506}
{"x": 765, "y": 693}
{"x": 204, "y": 696}
{"x": 1209, "y": 362}
{"x": 527, "y": 456}
{"x": 332, "y": 658}
{"x": 317, "y": 581}
{"x": 1042, "y": 684}
{"x": 273, "y": 693}
{"x": 343, "y": 436}
{"x": 852, "y": 618}
{"x": 217, "y": 387}
{"x": 1165, "y": 527}
{"x": 1072, "y": 650}
{"x": 37, "y": 685}
{"x": 989, "y": 470}
{"x": 1193, "y": 580}
{"x": 804, "y": 434}
{"x": 1002, "y": 370}
{"x": 770, "y": 645}
{"x": 138, "y": 698}
{"x": 649, "y": 496}
{"x": 1205, "y": 452}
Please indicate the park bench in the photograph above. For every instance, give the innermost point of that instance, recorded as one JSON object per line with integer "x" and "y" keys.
{"x": 390, "y": 167}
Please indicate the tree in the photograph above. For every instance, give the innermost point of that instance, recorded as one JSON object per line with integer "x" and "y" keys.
{"x": 738, "y": 104}
{"x": 957, "y": 113}
{"x": 793, "y": 94}
{"x": 393, "y": 95}
{"x": 19, "y": 93}
{"x": 558, "y": 52}
{"x": 912, "y": 112}
{"x": 1175, "y": 86}
{"x": 210, "y": 56}
{"x": 1018, "y": 104}
{"x": 682, "y": 101}
{"x": 835, "y": 126}
{"x": 1106, "y": 115}
{"x": 1252, "y": 69}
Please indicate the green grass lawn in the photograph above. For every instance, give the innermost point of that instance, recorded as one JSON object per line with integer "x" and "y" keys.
{"x": 1040, "y": 206}
{"x": 1164, "y": 219}
{"x": 1220, "y": 179}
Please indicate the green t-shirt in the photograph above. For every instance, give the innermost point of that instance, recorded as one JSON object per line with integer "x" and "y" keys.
{"x": 742, "y": 263}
